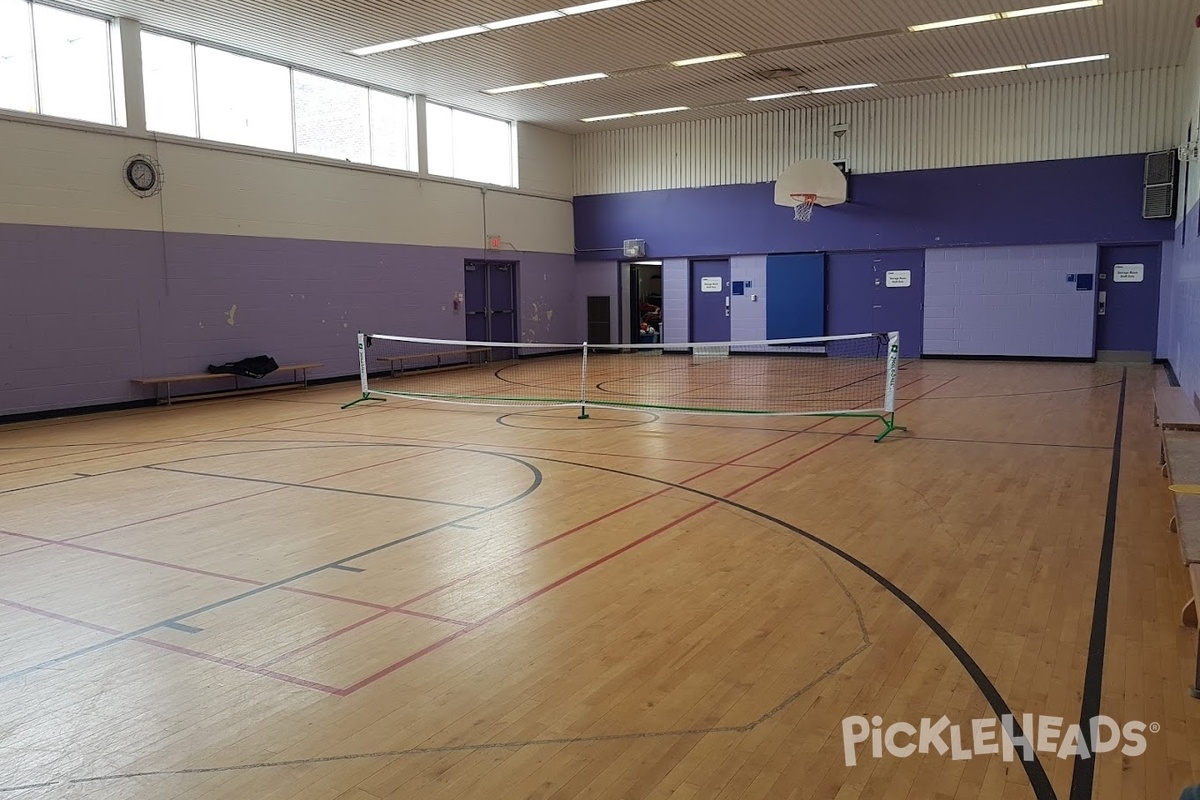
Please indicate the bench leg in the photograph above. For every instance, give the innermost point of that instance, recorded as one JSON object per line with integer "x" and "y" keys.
{"x": 1189, "y": 614}
{"x": 1173, "y": 525}
{"x": 1195, "y": 690}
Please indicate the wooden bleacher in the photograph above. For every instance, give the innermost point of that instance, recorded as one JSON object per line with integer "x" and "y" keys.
{"x": 1174, "y": 408}
{"x": 165, "y": 397}
{"x": 467, "y": 355}
{"x": 1181, "y": 450}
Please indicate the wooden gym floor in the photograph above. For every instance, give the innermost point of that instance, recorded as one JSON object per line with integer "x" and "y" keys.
{"x": 273, "y": 598}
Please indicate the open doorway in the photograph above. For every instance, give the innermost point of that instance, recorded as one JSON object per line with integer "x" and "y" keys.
{"x": 644, "y": 303}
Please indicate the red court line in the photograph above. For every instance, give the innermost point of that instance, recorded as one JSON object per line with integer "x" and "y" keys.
{"x": 323, "y": 639}
{"x": 227, "y": 662}
{"x": 128, "y": 557}
{"x": 352, "y": 600}
{"x": 839, "y": 437}
{"x": 41, "y": 612}
{"x": 522, "y": 601}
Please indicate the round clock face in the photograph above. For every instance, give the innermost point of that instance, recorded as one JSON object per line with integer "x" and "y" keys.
{"x": 141, "y": 175}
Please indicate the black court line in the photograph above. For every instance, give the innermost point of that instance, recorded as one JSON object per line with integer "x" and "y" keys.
{"x": 53, "y": 662}
{"x": 1039, "y": 781}
{"x": 1083, "y": 776}
{"x": 290, "y": 485}
{"x": 910, "y": 437}
{"x": 345, "y": 568}
{"x": 179, "y": 626}
{"x": 1028, "y": 394}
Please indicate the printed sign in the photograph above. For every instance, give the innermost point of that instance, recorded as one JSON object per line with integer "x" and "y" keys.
{"x": 1129, "y": 273}
{"x": 898, "y": 278}
{"x": 711, "y": 284}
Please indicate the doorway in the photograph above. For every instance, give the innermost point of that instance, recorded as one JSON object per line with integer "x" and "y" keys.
{"x": 644, "y": 303}
{"x": 1127, "y": 302}
{"x": 490, "y": 302}
{"x": 877, "y": 293}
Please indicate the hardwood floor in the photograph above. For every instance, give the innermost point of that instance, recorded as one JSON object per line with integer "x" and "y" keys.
{"x": 270, "y": 597}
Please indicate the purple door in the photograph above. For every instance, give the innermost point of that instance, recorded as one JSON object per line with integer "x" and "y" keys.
{"x": 877, "y": 293}
{"x": 490, "y": 300}
{"x": 475, "y": 305}
{"x": 709, "y": 311}
{"x": 1127, "y": 298}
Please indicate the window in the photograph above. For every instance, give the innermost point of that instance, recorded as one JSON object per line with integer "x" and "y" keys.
{"x": 72, "y": 73}
{"x": 243, "y": 100}
{"x": 332, "y": 118}
{"x": 469, "y": 146}
{"x": 169, "y": 77}
{"x": 193, "y": 90}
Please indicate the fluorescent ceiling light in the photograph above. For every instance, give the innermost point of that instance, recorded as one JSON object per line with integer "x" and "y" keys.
{"x": 591, "y": 76}
{"x": 587, "y": 8}
{"x": 528, "y": 19}
{"x": 454, "y": 34}
{"x": 954, "y": 23}
{"x": 989, "y": 71}
{"x": 778, "y": 96}
{"x": 606, "y": 117}
{"x": 383, "y": 48}
{"x": 1029, "y": 12}
{"x": 1064, "y": 61}
{"x": 646, "y": 263}
{"x": 659, "y": 111}
{"x": 687, "y": 62}
{"x": 519, "y": 88}
{"x": 845, "y": 88}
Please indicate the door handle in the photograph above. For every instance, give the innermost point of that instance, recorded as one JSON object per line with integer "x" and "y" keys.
{"x": 1101, "y": 302}
{"x": 727, "y": 305}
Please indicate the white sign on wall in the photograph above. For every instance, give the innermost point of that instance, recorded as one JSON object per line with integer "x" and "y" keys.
{"x": 898, "y": 278}
{"x": 711, "y": 284}
{"x": 1129, "y": 273}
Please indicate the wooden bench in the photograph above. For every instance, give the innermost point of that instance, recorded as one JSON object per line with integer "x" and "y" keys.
{"x": 163, "y": 384}
{"x": 468, "y": 355}
{"x": 1174, "y": 409}
{"x": 1182, "y": 452}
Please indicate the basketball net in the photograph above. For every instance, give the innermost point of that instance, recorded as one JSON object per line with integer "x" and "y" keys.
{"x": 804, "y": 206}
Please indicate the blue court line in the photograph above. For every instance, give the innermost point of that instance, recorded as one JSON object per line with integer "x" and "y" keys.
{"x": 346, "y": 568}
{"x": 179, "y": 626}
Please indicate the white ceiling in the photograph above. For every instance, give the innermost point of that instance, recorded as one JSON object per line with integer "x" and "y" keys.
{"x": 632, "y": 42}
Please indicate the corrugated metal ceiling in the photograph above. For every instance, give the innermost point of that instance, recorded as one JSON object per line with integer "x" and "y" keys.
{"x": 1139, "y": 34}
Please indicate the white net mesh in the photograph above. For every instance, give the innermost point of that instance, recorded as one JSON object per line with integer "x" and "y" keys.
{"x": 813, "y": 376}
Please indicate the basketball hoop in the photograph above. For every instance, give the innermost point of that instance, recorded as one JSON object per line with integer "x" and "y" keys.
{"x": 804, "y": 206}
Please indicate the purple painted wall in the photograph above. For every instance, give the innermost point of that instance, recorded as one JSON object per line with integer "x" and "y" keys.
{"x": 600, "y": 278}
{"x": 1181, "y": 303}
{"x": 1048, "y": 202}
{"x": 85, "y": 310}
{"x": 1009, "y": 301}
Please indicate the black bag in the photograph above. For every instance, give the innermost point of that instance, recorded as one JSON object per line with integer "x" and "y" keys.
{"x": 253, "y": 367}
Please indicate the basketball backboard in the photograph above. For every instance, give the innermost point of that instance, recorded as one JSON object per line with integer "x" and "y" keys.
{"x": 811, "y": 176}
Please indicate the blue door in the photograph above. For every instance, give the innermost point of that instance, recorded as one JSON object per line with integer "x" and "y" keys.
{"x": 795, "y": 293}
{"x": 709, "y": 311}
{"x": 877, "y": 293}
{"x": 1128, "y": 298}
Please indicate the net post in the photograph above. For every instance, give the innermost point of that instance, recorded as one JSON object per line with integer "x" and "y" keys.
{"x": 893, "y": 373}
{"x": 362, "y": 374}
{"x": 583, "y": 384}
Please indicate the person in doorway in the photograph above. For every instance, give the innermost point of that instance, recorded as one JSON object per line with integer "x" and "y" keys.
{"x": 1191, "y": 793}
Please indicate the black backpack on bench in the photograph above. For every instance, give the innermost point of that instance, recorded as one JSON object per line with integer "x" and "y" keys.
{"x": 253, "y": 367}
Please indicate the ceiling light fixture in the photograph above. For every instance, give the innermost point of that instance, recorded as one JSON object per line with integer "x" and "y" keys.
{"x": 988, "y": 71}
{"x": 845, "y": 88}
{"x": 954, "y": 23}
{"x": 591, "y": 76}
{"x": 778, "y": 96}
{"x": 518, "y": 88}
{"x": 659, "y": 111}
{"x": 484, "y": 27}
{"x": 528, "y": 19}
{"x": 606, "y": 117}
{"x": 1064, "y": 61}
{"x": 687, "y": 62}
{"x": 1029, "y": 12}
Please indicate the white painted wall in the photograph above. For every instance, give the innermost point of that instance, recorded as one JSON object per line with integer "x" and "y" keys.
{"x": 1131, "y": 112}
{"x": 53, "y": 174}
{"x": 545, "y": 161}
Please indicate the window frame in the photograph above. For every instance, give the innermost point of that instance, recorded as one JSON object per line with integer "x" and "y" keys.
{"x": 511, "y": 148}
{"x": 410, "y": 154}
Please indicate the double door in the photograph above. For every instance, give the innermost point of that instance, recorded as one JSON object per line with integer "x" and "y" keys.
{"x": 490, "y": 302}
